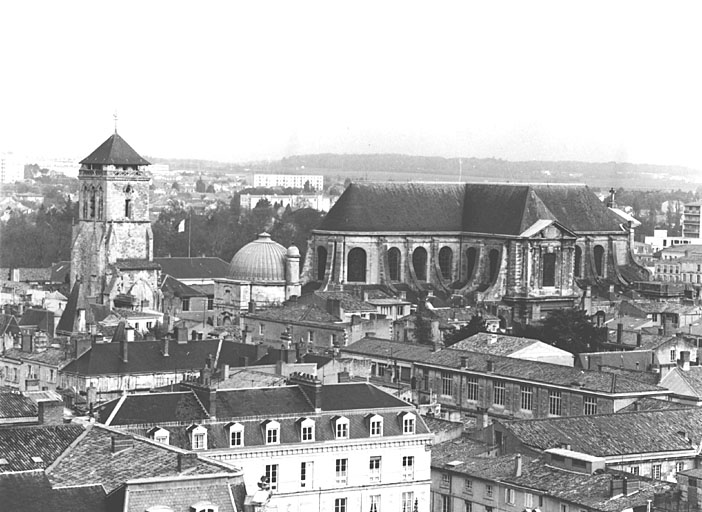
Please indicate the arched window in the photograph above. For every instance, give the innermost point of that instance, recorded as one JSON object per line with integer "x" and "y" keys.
{"x": 548, "y": 269}
{"x": 86, "y": 198}
{"x": 494, "y": 258}
{"x": 577, "y": 265}
{"x": 599, "y": 259}
{"x": 445, "y": 262}
{"x": 128, "y": 208}
{"x": 92, "y": 202}
{"x": 419, "y": 262}
{"x": 100, "y": 203}
{"x": 394, "y": 260}
{"x": 471, "y": 258}
{"x": 321, "y": 262}
{"x": 356, "y": 266}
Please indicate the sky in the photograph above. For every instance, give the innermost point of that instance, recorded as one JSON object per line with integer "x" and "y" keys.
{"x": 241, "y": 81}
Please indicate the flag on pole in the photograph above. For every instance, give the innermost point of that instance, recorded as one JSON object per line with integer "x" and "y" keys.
{"x": 181, "y": 226}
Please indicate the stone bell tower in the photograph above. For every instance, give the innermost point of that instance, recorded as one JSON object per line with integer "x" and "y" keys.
{"x": 112, "y": 251}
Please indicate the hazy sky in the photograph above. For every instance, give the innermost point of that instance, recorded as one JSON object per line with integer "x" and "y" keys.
{"x": 595, "y": 81}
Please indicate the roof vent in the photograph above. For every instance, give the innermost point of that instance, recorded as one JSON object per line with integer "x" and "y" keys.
{"x": 37, "y": 460}
{"x": 3, "y": 462}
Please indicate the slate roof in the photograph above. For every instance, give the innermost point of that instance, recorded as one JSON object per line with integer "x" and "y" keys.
{"x": 32, "y": 492}
{"x": 114, "y": 151}
{"x": 91, "y": 461}
{"x": 8, "y": 324}
{"x": 19, "y": 444}
{"x": 154, "y": 408}
{"x": 60, "y": 272}
{"x": 536, "y": 371}
{"x": 147, "y": 357}
{"x": 16, "y": 405}
{"x": 51, "y": 356}
{"x": 498, "y": 344}
{"x": 193, "y": 268}
{"x": 176, "y": 288}
{"x": 617, "y": 434}
{"x": 378, "y": 347}
{"x": 136, "y": 264}
{"x": 261, "y": 401}
{"x": 652, "y": 404}
{"x": 42, "y": 319}
{"x": 250, "y": 378}
{"x": 691, "y": 377}
{"x": 349, "y": 303}
{"x": 502, "y": 209}
{"x": 298, "y": 313}
{"x": 471, "y": 463}
{"x": 357, "y": 395}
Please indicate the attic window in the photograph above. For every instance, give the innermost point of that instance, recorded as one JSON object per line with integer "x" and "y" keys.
{"x": 198, "y": 438}
{"x": 204, "y": 506}
{"x": 409, "y": 423}
{"x": 307, "y": 430}
{"x": 341, "y": 428}
{"x": 376, "y": 425}
{"x": 236, "y": 434}
{"x": 160, "y": 435}
{"x": 271, "y": 430}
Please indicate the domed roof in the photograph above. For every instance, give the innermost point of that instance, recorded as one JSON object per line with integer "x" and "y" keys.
{"x": 293, "y": 252}
{"x": 260, "y": 260}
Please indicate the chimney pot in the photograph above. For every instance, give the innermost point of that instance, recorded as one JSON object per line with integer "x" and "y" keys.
{"x": 166, "y": 342}
{"x": 518, "y": 465}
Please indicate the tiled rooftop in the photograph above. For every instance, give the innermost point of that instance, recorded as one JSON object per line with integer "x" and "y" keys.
{"x": 16, "y": 405}
{"x": 153, "y": 408}
{"x": 498, "y": 344}
{"x": 19, "y": 444}
{"x": 378, "y": 347}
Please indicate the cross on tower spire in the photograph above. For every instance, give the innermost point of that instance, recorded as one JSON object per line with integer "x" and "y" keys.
{"x": 115, "y": 118}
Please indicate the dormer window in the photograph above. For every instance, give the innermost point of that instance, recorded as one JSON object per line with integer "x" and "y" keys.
{"x": 198, "y": 437}
{"x": 160, "y": 435}
{"x": 375, "y": 425}
{"x": 408, "y": 422}
{"x": 307, "y": 430}
{"x": 271, "y": 432}
{"x": 204, "y": 506}
{"x": 236, "y": 434}
{"x": 341, "y": 427}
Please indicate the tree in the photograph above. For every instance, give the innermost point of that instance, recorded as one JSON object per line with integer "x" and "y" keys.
{"x": 568, "y": 329}
{"x": 476, "y": 325}
{"x": 200, "y": 186}
{"x": 210, "y": 189}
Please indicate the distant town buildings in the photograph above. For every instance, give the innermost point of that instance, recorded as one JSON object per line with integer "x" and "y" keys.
{"x": 319, "y": 202}
{"x": 11, "y": 168}
{"x": 301, "y": 181}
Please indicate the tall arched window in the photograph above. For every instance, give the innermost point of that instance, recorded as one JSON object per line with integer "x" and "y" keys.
{"x": 394, "y": 260}
{"x": 494, "y": 259}
{"x": 599, "y": 259}
{"x": 100, "y": 203}
{"x": 86, "y": 199}
{"x": 446, "y": 262}
{"x": 128, "y": 204}
{"x": 321, "y": 262}
{"x": 419, "y": 262}
{"x": 471, "y": 259}
{"x": 548, "y": 269}
{"x": 356, "y": 266}
{"x": 92, "y": 202}
{"x": 577, "y": 265}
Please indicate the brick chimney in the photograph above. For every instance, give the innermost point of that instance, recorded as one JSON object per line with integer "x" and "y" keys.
{"x": 50, "y": 412}
{"x": 518, "y": 465}
{"x": 186, "y": 461}
{"x": 124, "y": 349}
{"x": 166, "y": 342}
{"x": 311, "y": 386}
{"x": 120, "y": 443}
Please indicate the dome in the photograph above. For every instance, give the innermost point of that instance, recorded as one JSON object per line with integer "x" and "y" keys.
{"x": 260, "y": 260}
{"x": 293, "y": 252}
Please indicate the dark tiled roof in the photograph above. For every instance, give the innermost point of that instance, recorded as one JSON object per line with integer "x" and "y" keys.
{"x": 262, "y": 401}
{"x": 377, "y": 347}
{"x": 652, "y": 404}
{"x": 466, "y": 452}
{"x": 19, "y": 444}
{"x": 91, "y": 461}
{"x": 68, "y": 323}
{"x": 503, "y": 209}
{"x": 174, "y": 287}
{"x": 8, "y": 324}
{"x": 614, "y": 434}
{"x": 357, "y": 395}
{"x": 300, "y": 313}
{"x": 498, "y": 344}
{"x": 317, "y": 359}
{"x": 51, "y": 356}
{"x": 349, "y": 303}
{"x": 32, "y": 491}
{"x": 147, "y": 357}
{"x": 155, "y": 408}
{"x": 59, "y": 271}
{"x": 42, "y": 319}
{"x": 16, "y": 405}
{"x": 114, "y": 151}
{"x": 536, "y": 371}
{"x": 193, "y": 268}
{"x": 136, "y": 264}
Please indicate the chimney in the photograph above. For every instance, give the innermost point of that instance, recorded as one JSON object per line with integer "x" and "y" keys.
{"x": 181, "y": 335}
{"x": 484, "y": 418}
{"x": 638, "y": 339}
{"x": 166, "y": 342}
{"x": 120, "y": 443}
{"x": 518, "y": 465}
{"x": 124, "y": 349}
{"x": 225, "y": 372}
{"x": 490, "y": 366}
{"x": 684, "y": 361}
{"x": 636, "y": 406}
{"x": 129, "y": 332}
{"x": 620, "y": 331}
{"x": 50, "y": 412}
{"x": 186, "y": 461}
{"x": 661, "y": 331}
{"x": 27, "y": 342}
{"x": 334, "y": 308}
{"x": 311, "y": 386}
{"x": 252, "y": 306}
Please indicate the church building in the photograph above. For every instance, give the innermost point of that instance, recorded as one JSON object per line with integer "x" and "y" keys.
{"x": 533, "y": 248}
{"x": 112, "y": 250}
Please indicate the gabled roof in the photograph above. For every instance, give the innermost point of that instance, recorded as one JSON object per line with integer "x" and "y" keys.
{"x": 503, "y": 209}
{"x": 387, "y": 349}
{"x": 153, "y": 408}
{"x": 617, "y": 434}
{"x": 498, "y": 344}
{"x": 536, "y": 371}
{"x": 19, "y": 444}
{"x": 16, "y": 405}
{"x": 295, "y": 312}
{"x": 42, "y": 319}
{"x": 114, "y": 151}
{"x": 193, "y": 268}
{"x": 52, "y": 356}
{"x": 174, "y": 287}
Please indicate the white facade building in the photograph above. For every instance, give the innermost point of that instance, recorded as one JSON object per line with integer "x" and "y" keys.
{"x": 11, "y": 168}
{"x": 316, "y": 181}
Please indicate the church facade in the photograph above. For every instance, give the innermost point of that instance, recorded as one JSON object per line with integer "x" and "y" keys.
{"x": 534, "y": 248}
{"x": 112, "y": 249}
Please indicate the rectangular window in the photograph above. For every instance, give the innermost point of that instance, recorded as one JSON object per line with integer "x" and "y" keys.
{"x": 590, "y": 405}
{"x": 308, "y": 433}
{"x": 374, "y": 502}
{"x": 445, "y": 503}
{"x": 186, "y": 305}
{"x": 446, "y": 384}
{"x": 554, "y": 403}
{"x": 527, "y": 395}
{"x": 472, "y": 388}
{"x": 407, "y": 501}
{"x": 260, "y": 329}
{"x": 672, "y": 355}
{"x": 342, "y": 471}
{"x": 528, "y": 500}
{"x": 679, "y": 466}
{"x": 656, "y": 471}
{"x": 306, "y": 474}
{"x": 425, "y": 381}
{"x": 340, "y": 505}
{"x": 272, "y": 475}
{"x": 467, "y": 506}
{"x": 468, "y": 486}
{"x": 236, "y": 438}
{"x": 310, "y": 336}
{"x": 271, "y": 436}
{"x": 342, "y": 430}
{"x": 198, "y": 441}
{"x": 210, "y": 302}
{"x": 376, "y": 428}
{"x": 564, "y": 507}
{"x": 408, "y": 425}
{"x": 408, "y": 467}
{"x": 499, "y": 392}
{"x": 509, "y": 496}
{"x": 489, "y": 491}
{"x": 374, "y": 469}
{"x": 445, "y": 481}
{"x": 634, "y": 470}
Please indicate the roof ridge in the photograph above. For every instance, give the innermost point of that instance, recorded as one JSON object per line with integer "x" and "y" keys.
{"x": 76, "y": 441}
{"x": 114, "y": 412}
{"x": 197, "y": 398}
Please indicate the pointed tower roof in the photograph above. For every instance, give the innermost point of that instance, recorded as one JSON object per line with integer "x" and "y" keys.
{"x": 114, "y": 151}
